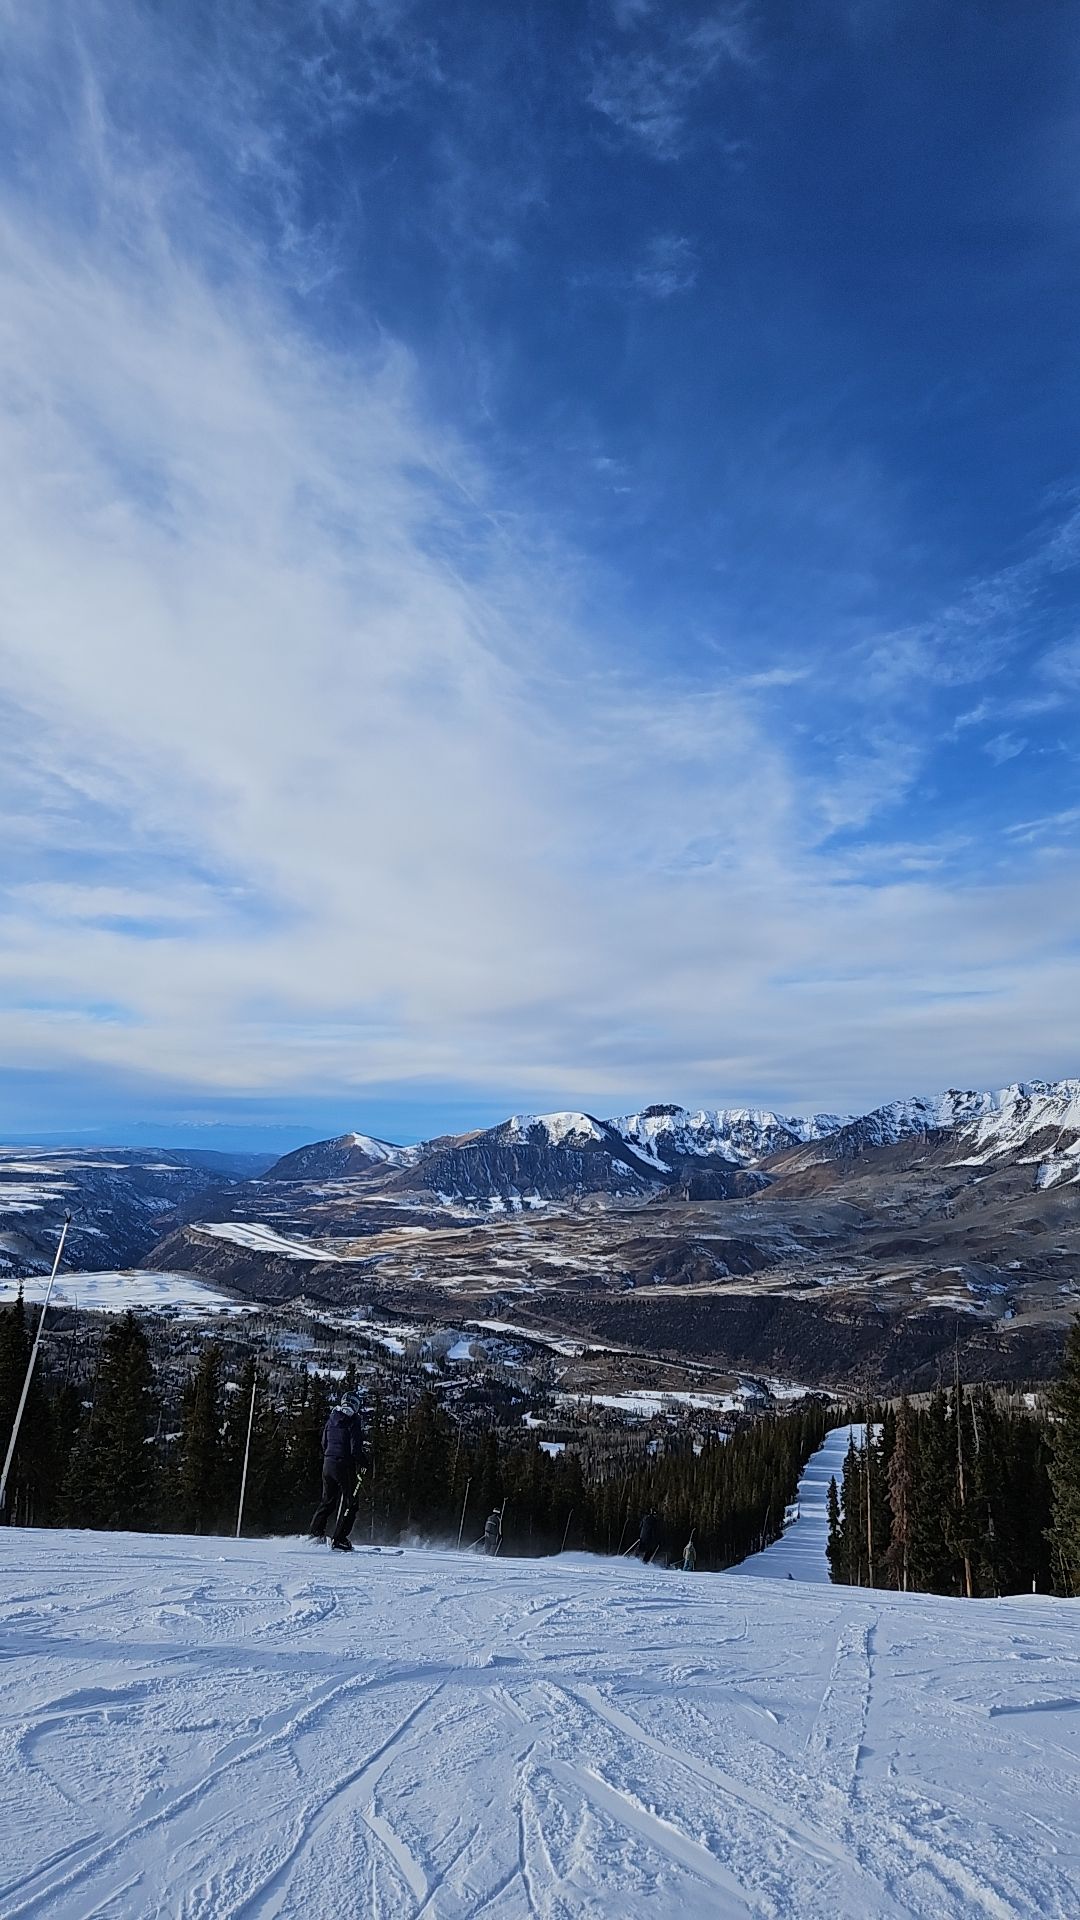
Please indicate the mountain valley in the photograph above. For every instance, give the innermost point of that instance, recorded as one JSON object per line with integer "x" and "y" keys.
{"x": 834, "y": 1251}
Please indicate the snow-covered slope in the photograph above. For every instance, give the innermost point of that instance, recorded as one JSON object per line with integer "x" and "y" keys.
{"x": 1037, "y": 1124}
{"x": 740, "y": 1135}
{"x": 227, "y": 1730}
{"x": 350, "y": 1153}
{"x": 551, "y": 1129}
{"x": 1033, "y": 1122}
{"x": 800, "y": 1554}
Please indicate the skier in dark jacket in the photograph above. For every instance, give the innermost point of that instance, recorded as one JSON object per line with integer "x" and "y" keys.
{"x": 344, "y": 1464}
{"x": 493, "y": 1532}
{"x": 648, "y": 1536}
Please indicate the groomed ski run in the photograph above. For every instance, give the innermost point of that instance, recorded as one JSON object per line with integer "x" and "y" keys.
{"x": 257, "y": 1730}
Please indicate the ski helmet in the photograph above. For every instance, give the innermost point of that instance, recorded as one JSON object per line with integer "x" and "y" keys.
{"x": 349, "y": 1403}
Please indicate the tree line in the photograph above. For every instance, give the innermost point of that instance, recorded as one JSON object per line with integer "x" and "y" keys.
{"x": 967, "y": 1495}
{"x": 124, "y": 1449}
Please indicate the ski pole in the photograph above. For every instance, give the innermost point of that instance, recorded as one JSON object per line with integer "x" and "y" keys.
{"x": 566, "y": 1530}
{"x": 21, "y": 1408}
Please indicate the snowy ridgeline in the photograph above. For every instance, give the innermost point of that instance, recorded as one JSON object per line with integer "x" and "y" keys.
{"x": 216, "y": 1730}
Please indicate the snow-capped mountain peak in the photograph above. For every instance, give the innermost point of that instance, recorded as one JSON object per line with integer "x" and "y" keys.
{"x": 348, "y": 1153}
{"x": 1036, "y": 1122}
{"x": 382, "y": 1151}
{"x": 739, "y": 1135}
{"x": 553, "y": 1129}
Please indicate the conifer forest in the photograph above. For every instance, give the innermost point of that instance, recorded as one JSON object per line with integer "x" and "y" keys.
{"x": 121, "y": 1448}
{"x": 972, "y": 1493}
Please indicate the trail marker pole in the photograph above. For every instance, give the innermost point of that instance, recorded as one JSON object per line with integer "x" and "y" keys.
{"x": 464, "y": 1504}
{"x": 21, "y": 1408}
{"x": 247, "y": 1456}
{"x": 566, "y": 1530}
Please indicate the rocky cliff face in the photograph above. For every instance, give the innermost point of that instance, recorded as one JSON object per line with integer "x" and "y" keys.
{"x": 494, "y": 1168}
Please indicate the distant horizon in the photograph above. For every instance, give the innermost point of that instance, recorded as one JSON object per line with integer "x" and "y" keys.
{"x": 401, "y": 1124}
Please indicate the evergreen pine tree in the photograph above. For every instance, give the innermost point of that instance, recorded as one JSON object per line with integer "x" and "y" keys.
{"x": 879, "y": 1449}
{"x": 932, "y": 1560}
{"x": 304, "y": 1422}
{"x": 835, "y": 1545}
{"x": 901, "y": 1490}
{"x": 1065, "y": 1467}
{"x": 199, "y": 1488}
{"x": 115, "y": 1465}
{"x": 854, "y": 1528}
{"x": 14, "y": 1355}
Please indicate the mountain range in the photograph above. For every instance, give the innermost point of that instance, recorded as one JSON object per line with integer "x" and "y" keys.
{"x": 713, "y": 1153}
{"x": 825, "y": 1248}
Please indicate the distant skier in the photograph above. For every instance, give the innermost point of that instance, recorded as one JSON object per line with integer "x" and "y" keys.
{"x": 493, "y": 1532}
{"x": 648, "y": 1535}
{"x": 689, "y": 1556}
{"x": 343, "y": 1468}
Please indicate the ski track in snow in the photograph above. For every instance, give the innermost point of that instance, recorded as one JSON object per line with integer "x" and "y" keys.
{"x": 256, "y": 1730}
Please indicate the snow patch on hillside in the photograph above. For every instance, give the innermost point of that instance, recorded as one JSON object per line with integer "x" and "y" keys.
{"x": 740, "y": 1135}
{"x": 380, "y": 1150}
{"x": 182, "y": 1295}
{"x": 261, "y": 1239}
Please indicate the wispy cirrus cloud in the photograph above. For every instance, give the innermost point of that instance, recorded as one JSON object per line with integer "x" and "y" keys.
{"x": 658, "y": 63}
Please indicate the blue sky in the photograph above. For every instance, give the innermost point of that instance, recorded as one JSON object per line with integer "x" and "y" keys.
{"x": 543, "y": 559}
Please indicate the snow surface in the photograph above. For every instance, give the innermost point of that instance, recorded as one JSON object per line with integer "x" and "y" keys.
{"x": 262, "y": 1239}
{"x": 649, "y": 1401}
{"x": 180, "y": 1294}
{"x": 993, "y": 1123}
{"x": 380, "y": 1150}
{"x": 739, "y": 1135}
{"x": 21, "y": 1196}
{"x": 557, "y": 1127}
{"x": 259, "y": 1730}
{"x": 800, "y": 1550}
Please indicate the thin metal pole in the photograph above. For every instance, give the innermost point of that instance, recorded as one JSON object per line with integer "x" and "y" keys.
{"x": 464, "y": 1504}
{"x": 21, "y": 1409}
{"x": 247, "y": 1455}
{"x": 566, "y": 1530}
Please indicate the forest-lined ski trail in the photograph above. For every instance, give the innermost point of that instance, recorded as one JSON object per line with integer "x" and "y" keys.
{"x": 219, "y": 1730}
{"x": 801, "y": 1549}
